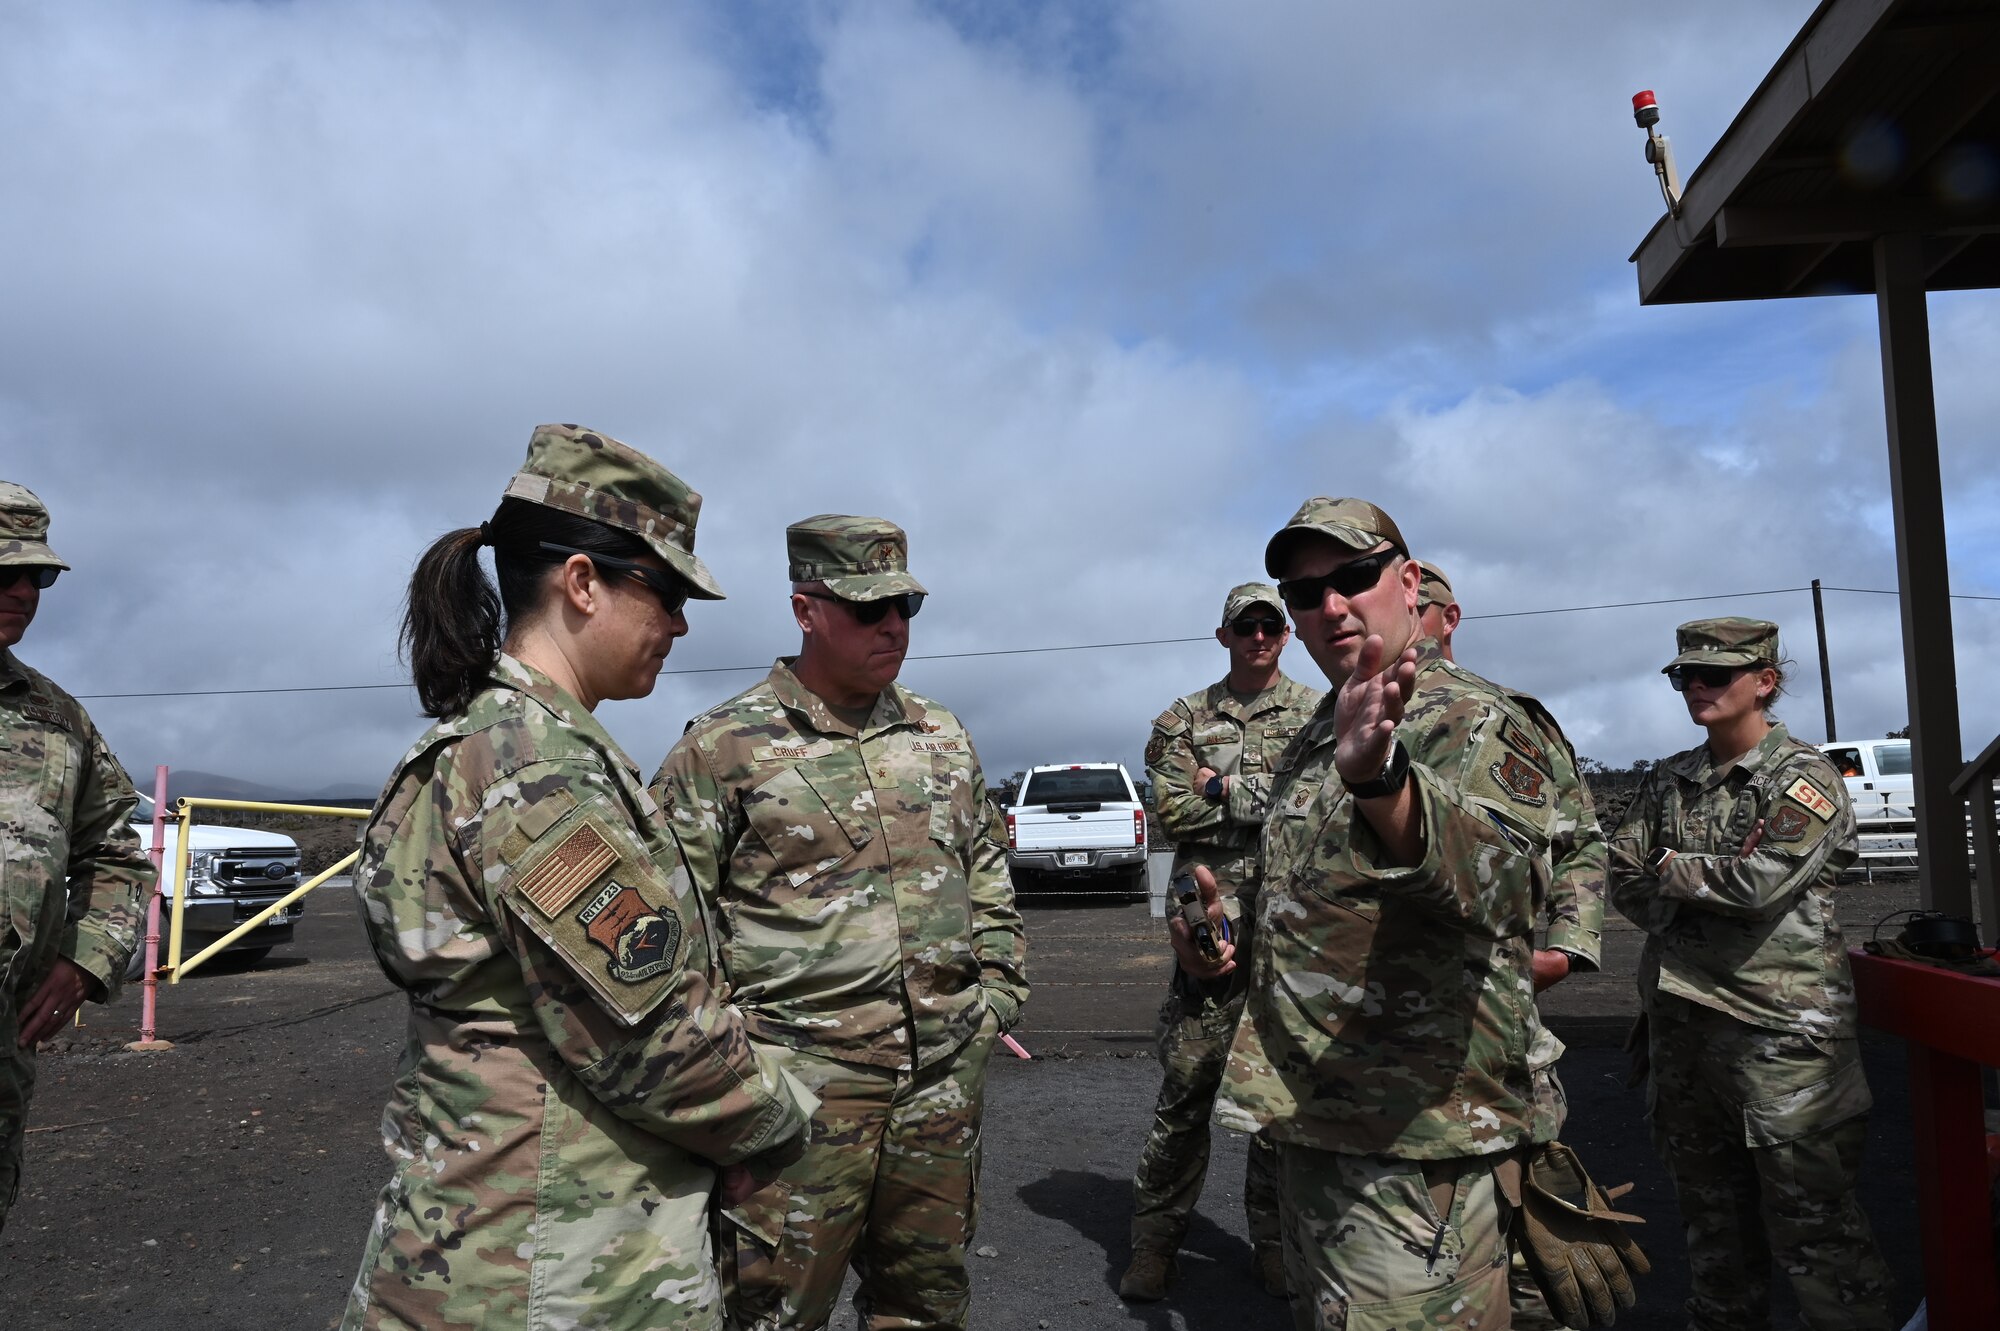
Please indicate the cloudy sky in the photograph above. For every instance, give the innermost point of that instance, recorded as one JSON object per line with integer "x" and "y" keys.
{"x": 1087, "y": 297}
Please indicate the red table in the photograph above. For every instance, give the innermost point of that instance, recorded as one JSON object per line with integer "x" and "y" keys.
{"x": 1952, "y": 1024}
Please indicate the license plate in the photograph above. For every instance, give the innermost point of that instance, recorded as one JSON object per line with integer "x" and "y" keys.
{"x": 1076, "y": 860}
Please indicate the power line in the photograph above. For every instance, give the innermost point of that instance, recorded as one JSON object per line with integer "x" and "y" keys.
{"x": 1033, "y": 651}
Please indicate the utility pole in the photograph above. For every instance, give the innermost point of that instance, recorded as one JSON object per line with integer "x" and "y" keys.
{"x": 1825, "y": 672}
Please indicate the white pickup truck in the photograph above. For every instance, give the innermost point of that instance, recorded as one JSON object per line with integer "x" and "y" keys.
{"x": 233, "y": 872}
{"x": 1078, "y": 821}
{"x": 1883, "y": 791}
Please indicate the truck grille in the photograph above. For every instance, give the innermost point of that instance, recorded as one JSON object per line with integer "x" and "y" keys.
{"x": 257, "y": 868}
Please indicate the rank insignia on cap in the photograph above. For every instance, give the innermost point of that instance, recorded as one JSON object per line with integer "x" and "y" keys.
{"x": 561, "y": 875}
{"x": 1816, "y": 801}
{"x": 642, "y": 941}
{"x": 1156, "y": 748}
{"x": 1522, "y": 782}
{"x": 1788, "y": 823}
{"x": 1517, "y": 739}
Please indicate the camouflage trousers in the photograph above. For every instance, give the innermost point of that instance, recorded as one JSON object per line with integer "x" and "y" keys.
{"x": 17, "y": 1084}
{"x": 1762, "y": 1132}
{"x": 1193, "y": 1046}
{"x": 1376, "y": 1243}
{"x": 1550, "y": 1112}
{"x": 889, "y": 1183}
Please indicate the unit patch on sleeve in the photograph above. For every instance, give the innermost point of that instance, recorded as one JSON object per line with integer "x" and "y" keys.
{"x": 1156, "y": 748}
{"x": 642, "y": 942}
{"x": 1517, "y": 739}
{"x": 1521, "y": 781}
{"x": 1816, "y": 801}
{"x": 576, "y": 862}
{"x": 1789, "y": 823}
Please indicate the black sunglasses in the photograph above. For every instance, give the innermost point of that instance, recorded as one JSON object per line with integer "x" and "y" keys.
{"x": 1251, "y": 625}
{"x": 672, "y": 591}
{"x": 873, "y": 612}
{"x": 1349, "y": 580}
{"x": 42, "y": 576}
{"x": 1709, "y": 677}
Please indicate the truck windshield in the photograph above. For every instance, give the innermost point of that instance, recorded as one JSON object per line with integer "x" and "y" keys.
{"x": 1102, "y": 785}
{"x": 1894, "y": 758}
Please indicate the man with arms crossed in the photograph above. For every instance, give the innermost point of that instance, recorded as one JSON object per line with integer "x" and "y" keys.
{"x": 1385, "y": 1038}
{"x": 838, "y": 825}
{"x": 1238, "y": 726}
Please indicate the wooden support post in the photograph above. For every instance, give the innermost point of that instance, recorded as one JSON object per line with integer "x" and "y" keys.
{"x": 1929, "y": 668}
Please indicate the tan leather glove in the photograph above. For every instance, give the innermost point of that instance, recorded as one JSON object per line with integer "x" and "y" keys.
{"x": 1572, "y": 1241}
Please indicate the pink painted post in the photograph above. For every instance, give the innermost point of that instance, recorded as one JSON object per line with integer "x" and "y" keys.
{"x": 149, "y": 1006}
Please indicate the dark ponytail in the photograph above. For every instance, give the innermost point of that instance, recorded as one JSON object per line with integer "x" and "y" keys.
{"x": 454, "y": 621}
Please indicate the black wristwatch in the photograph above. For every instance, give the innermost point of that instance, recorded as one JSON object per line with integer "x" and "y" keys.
{"x": 1394, "y": 774}
{"x": 1212, "y": 788}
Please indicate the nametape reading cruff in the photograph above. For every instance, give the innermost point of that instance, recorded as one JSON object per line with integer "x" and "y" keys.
{"x": 1808, "y": 794}
{"x": 561, "y": 875}
{"x": 790, "y": 753}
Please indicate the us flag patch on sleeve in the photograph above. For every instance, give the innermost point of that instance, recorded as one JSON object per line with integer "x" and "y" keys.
{"x": 1816, "y": 801}
{"x": 560, "y": 876}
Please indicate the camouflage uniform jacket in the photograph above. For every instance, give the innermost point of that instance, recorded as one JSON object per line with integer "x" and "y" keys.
{"x": 1238, "y": 739}
{"x": 1750, "y": 935}
{"x": 72, "y": 876}
{"x": 1391, "y": 1009}
{"x": 571, "y": 1071}
{"x": 861, "y": 879}
{"x": 1574, "y": 911}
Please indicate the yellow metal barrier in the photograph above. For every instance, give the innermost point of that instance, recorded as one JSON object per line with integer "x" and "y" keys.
{"x": 184, "y": 808}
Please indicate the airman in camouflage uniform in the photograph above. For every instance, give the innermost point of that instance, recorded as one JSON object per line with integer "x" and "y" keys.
{"x": 1758, "y": 1099}
{"x": 72, "y": 875}
{"x": 1386, "y": 1036}
{"x": 839, "y": 826}
{"x": 1231, "y": 728}
{"x": 573, "y": 1075}
{"x": 1573, "y": 913}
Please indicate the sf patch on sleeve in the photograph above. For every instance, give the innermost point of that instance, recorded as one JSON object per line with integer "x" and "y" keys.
{"x": 587, "y": 888}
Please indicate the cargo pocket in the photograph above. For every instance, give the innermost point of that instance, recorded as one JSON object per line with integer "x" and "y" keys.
{"x": 801, "y": 832}
{"x": 1841, "y": 1095}
{"x": 748, "y": 1250}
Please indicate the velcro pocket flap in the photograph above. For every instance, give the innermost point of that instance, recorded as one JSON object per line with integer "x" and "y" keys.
{"x": 587, "y": 888}
{"x": 798, "y": 827}
{"x": 1824, "y": 1104}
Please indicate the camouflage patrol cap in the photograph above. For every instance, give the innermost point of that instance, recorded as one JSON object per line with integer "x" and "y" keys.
{"x": 1355, "y": 523}
{"x": 594, "y": 476}
{"x": 1435, "y": 589}
{"x": 1249, "y": 594}
{"x": 859, "y": 559}
{"x": 1725, "y": 642}
{"x": 24, "y": 528}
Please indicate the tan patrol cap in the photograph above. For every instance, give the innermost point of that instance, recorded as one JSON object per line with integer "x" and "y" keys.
{"x": 859, "y": 559}
{"x": 24, "y": 528}
{"x": 1355, "y": 523}
{"x": 1249, "y": 594}
{"x": 1435, "y": 589}
{"x": 594, "y": 476}
{"x": 1725, "y": 642}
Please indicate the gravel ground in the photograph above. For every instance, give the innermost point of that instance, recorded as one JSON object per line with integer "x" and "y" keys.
{"x": 228, "y": 1183}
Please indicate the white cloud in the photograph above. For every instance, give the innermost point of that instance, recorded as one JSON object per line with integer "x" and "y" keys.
{"x": 1089, "y": 304}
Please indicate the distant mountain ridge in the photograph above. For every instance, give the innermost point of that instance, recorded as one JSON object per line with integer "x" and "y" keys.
{"x": 190, "y": 783}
